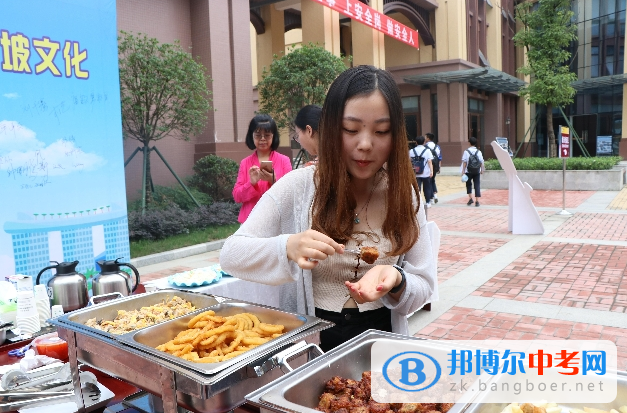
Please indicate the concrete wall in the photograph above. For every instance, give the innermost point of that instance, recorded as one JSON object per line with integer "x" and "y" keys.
{"x": 610, "y": 180}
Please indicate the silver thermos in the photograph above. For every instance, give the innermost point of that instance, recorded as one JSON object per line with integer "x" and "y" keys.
{"x": 67, "y": 288}
{"x": 112, "y": 279}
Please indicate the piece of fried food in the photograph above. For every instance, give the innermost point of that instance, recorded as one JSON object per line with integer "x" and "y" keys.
{"x": 369, "y": 254}
{"x": 212, "y": 339}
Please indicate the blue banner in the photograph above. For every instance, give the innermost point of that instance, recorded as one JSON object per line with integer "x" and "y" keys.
{"x": 62, "y": 189}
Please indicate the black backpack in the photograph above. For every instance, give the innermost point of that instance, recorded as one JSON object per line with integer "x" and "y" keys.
{"x": 474, "y": 164}
{"x": 418, "y": 162}
{"x": 435, "y": 162}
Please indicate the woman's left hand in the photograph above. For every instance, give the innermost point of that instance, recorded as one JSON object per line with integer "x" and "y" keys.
{"x": 266, "y": 176}
{"x": 376, "y": 283}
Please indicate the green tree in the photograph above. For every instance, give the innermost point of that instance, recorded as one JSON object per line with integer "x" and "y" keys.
{"x": 546, "y": 33}
{"x": 297, "y": 79}
{"x": 164, "y": 92}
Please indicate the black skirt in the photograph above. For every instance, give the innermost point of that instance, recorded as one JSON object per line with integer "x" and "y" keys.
{"x": 351, "y": 323}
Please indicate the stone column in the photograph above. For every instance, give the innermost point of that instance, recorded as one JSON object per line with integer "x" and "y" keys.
{"x": 221, "y": 41}
{"x": 368, "y": 44}
{"x": 452, "y": 121}
{"x": 450, "y": 30}
{"x": 494, "y": 37}
{"x": 320, "y": 25}
{"x": 272, "y": 42}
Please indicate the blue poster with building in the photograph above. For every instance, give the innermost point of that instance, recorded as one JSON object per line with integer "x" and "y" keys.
{"x": 62, "y": 191}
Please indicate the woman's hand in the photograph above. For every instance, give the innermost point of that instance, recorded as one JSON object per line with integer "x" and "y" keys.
{"x": 311, "y": 244}
{"x": 254, "y": 174}
{"x": 374, "y": 284}
{"x": 266, "y": 176}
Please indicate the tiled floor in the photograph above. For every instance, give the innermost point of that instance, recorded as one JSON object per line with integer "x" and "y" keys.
{"x": 570, "y": 275}
{"x": 457, "y": 253}
{"x": 547, "y": 199}
{"x": 594, "y": 226}
{"x": 467, "y": 324}
{"x": 472, "y": 219}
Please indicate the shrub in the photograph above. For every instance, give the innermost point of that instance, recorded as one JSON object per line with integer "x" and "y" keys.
{"x": 167, "y": 196}
{"x": 215, "y": 176}
{"x": 555, "y": 164}
{"x": 162, "y": 223}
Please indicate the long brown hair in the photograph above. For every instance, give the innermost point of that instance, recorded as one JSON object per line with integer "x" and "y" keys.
{"x": 334, "y": 202}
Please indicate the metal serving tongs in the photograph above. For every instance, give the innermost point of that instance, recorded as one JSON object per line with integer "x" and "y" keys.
{"x": 16, "y": 380}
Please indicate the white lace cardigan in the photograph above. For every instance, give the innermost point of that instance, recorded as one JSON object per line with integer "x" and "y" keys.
{"x": 257, "y": 251}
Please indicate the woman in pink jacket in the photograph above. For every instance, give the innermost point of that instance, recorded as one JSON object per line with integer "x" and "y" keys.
{"x": 252, "y": 181}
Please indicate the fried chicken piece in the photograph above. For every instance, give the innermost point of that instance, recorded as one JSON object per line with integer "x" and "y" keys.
{"x": 342, "y": 410}
{"x": 409, "y": 408}
{"x": 359, "y": 409}
{"x": 433, "y": 411}
{"x": 341, "y": 402}
{"x": 335, "y": 385}
{"x": 360, "y": 393}
{"x": 426, "y": 407}
{"x": 527, "y": 408}
{"x": 445, "y": 407}
{"x": 369, "y": 254}
{"x": 325, "y": 401}
{"x": 378, "y": 407}
{"x": 396, "y": 406}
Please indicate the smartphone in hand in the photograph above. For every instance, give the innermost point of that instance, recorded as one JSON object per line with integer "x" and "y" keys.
{"x": 266, "y": 166}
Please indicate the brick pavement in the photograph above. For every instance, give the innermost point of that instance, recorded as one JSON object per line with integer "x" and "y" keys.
{"x": 460, "y": 323}
{"x": 544, "y": 199}
{"x": 458, "y": 253}
{"x": 471, "y": 219}
{"x": 570, "y": 275}
{"x": 598, "y": 226}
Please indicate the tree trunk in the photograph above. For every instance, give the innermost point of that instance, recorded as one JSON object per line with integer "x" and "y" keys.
{"x": 148, "y": 188}
{"x": 549, "y": 130}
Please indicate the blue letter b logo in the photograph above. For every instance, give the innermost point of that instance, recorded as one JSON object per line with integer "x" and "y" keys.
{"x": 417, "y": 368}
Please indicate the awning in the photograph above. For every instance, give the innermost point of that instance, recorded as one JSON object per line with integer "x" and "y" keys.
{"x": 484, "y": 78}
{"x": 599, "y": 84}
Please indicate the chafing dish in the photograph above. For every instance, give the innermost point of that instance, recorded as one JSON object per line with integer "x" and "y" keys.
{"x": 299, "y": 391}
{"x": 109, "y": 309}
{"x": 479, "y": 405}
{"x": 150, "y": 337}
{"x": 177, "y": 383}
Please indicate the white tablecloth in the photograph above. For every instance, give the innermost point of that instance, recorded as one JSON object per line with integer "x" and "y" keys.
{"x": 232, "y": 288}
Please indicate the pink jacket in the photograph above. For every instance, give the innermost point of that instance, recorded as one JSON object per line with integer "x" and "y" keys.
{"x": 246, "y": 193}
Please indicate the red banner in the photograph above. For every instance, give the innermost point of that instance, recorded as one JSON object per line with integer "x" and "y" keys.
{"x": 374, "y": 19}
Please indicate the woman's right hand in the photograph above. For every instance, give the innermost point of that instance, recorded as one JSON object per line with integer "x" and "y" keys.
{"x": 311, "y": 244}
{"x": 254, "y": 174}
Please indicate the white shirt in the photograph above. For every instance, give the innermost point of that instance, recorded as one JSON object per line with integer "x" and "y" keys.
{"x": 427, "y": 155}
{"x": 257, "y": 251}
{"x": 466, "y": 156}
{"x": 432, "y": 145}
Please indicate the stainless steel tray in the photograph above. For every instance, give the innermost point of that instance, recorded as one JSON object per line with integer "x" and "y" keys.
{"x": 299, "y": 391}
{"x": 479, "y": 406}
{"x": 109, "y": 309}
{"x": 149, "y": 338}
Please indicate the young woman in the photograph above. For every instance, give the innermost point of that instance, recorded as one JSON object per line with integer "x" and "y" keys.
{"x": 363, "y": 193}
{"x": 252, "y": 181}
{"x": 306, "y": 130}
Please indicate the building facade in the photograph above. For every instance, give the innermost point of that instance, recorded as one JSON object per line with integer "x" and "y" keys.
{"x": 461, "y": 82}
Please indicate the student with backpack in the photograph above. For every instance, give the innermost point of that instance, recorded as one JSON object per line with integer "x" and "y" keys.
{"x": 432, "y": 144}
{"x": 473, "y": 167}
{"x": 421, "y": 160}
